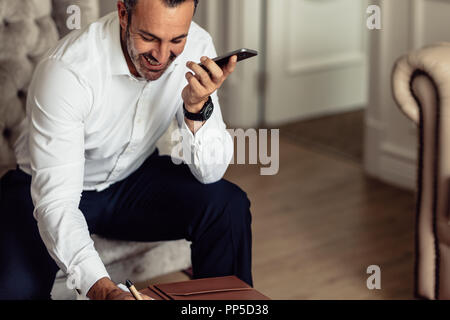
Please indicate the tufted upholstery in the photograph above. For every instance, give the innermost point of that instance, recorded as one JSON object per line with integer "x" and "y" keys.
{"x": 421, "y": 88}
{"x": 28, "y": 28}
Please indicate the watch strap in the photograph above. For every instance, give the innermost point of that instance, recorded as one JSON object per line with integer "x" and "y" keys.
{"x": 203, "y": 115}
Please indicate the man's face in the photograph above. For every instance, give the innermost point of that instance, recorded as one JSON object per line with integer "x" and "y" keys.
{"x": 156, "y": 36}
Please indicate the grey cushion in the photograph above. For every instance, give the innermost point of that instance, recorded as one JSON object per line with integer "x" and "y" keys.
{"x": 165, "y": 257}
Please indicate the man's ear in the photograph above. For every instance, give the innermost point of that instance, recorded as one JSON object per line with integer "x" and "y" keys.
{"x": 123, "y": 14}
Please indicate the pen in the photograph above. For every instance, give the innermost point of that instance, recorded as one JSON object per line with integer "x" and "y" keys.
{"x": 133, "y": 290}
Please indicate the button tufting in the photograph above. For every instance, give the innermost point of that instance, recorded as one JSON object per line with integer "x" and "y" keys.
{"x": 7, "y": 133}
{"x": 21, "y": 94}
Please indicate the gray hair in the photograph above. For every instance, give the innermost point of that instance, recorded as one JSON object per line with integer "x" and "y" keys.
{"x": 131, "y": 4}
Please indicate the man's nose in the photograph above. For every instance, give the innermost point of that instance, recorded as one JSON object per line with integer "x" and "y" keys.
{"x": 162, "y": 54}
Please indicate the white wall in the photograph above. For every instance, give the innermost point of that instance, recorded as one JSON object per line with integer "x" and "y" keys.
{"x": 237, "y": 24}
{"x": 316, "y": 58}
{"x": 391, "y": 138}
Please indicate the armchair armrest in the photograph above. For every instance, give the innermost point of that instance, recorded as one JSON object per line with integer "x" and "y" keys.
{"x": 433, "y": 61}
{"x": 421, "y": 88}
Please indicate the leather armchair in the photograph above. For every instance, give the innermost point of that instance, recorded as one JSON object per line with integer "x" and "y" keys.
{"x": 28, "y": 28}
{"x": 421, "y": 88}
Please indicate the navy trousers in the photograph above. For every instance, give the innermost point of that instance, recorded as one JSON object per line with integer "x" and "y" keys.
{"x": 160, "y": 201}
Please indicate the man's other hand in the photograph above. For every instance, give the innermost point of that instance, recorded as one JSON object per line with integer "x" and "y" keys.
{"x": 105, "y": 289}
{"x": 123, "y": 295}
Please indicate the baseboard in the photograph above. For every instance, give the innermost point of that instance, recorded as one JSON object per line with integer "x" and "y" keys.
{"x": 386, "y": 161}
{"x": 314, "y": 114}
{"x": 398, "y": 170}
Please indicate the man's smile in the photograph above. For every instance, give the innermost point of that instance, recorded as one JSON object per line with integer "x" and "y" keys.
{"x": 152, "y": 65}
{"x": 152, "y": 60}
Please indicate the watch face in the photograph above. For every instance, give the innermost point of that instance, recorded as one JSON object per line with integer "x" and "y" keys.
{"x": 208, "y": 112}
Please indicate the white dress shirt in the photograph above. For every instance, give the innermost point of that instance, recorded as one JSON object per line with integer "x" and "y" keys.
{"x": 91, "y": 123}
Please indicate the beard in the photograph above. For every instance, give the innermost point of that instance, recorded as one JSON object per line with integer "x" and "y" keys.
{"x": 144, "y": 68}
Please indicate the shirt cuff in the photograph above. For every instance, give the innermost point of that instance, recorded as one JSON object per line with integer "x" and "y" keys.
{"x": 199, "y": 153}
{"x": 83, "y": 276}
{"x": 195, "y": 139}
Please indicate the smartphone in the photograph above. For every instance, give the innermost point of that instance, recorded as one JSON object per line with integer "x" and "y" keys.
{"x": 241, "y": 54}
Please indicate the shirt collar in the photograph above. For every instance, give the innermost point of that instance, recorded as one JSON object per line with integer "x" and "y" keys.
{"x": 118, "y": 63}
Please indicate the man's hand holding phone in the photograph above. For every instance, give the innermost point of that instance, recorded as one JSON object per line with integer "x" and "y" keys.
{"x": 203, "y": 84}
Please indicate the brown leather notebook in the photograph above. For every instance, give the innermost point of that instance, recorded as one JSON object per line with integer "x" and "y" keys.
{"x": 223, "y": 288}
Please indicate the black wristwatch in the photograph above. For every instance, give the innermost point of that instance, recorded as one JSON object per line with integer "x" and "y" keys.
{"x": 203, "y": 115}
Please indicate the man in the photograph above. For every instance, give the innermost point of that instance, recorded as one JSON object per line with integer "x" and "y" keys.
{"x": 96, "y": 107}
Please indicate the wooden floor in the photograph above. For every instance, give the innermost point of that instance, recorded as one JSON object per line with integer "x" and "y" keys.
{"x": 341, "y": 134}
{"x": 320, "y": 223}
